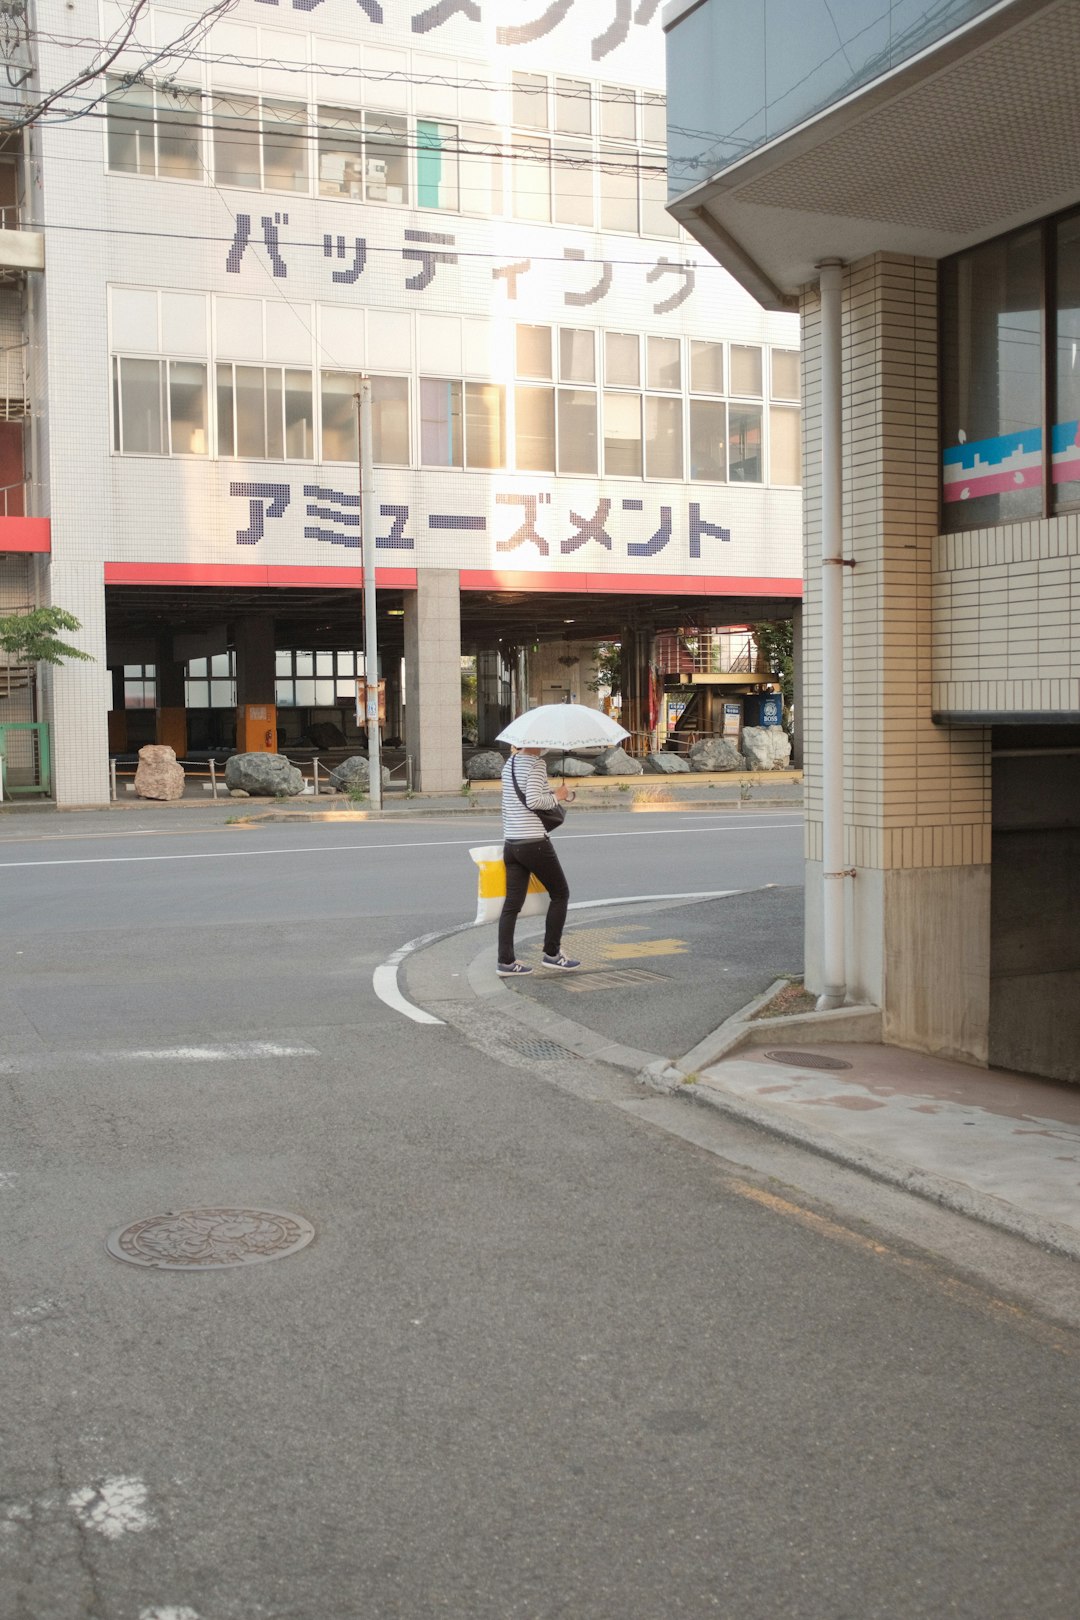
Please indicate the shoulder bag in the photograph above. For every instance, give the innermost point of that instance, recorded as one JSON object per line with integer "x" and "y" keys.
{"x": 549, "y": 819}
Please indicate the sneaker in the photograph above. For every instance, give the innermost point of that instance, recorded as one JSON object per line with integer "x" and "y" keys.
{"x": 565, "y": 964}
{"x": 510, "y": 970}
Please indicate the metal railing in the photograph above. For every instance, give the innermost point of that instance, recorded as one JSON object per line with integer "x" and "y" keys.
{"x": 212, "y": 776}
{"x": 12, "y": 496}
{"x": 9, "y": 217}
{"x": 25, "y": 758}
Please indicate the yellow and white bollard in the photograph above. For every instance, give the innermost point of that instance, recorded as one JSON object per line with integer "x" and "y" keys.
{"x": 491, "y": 886}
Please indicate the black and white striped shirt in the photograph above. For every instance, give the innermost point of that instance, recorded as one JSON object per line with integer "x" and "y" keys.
{"x": 532, "y": 778}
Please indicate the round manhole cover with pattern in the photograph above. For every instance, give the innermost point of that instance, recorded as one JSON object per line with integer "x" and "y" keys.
{"x": 808, "y": 1060}
{"x": 209, "y": 1239}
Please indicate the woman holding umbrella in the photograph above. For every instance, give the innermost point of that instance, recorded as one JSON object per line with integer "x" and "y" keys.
{"x": 530, "y": 808}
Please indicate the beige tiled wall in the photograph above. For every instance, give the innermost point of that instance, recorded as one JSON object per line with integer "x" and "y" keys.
{"x": 433, "y": 680}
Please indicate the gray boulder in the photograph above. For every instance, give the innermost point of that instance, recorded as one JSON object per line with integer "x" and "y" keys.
{"x": 487, "y": 766}
{"x": 569, "y": 765}
{"x": 767, "y": 748}
{"x": 617, "y": 762}
{"x": 666, "y": 763}
{"x": 353, "y": 775}
{"x": 715, "y": 754}
{"x": 263, "y": 775}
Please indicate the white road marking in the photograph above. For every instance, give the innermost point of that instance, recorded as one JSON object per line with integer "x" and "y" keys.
{"x": 169, "y": 1612}
{"x": 335, "y": 849}
{"x": 116, "y": 1507}
{"x": 232, "y": 1052}
{"x": 384, "y": 981}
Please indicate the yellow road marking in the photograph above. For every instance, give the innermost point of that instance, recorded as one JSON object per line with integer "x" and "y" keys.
{"x": 645, "y": 947}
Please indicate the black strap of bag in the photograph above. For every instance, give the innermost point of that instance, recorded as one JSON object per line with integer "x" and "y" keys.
{"x": 549, "y": 819}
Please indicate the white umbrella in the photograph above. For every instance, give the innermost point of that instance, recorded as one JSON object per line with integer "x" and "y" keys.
{"x": 563, "y": 726}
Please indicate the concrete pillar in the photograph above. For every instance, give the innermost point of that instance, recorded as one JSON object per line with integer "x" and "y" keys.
{"x": 256, "y": 715}
{"x": 118, "y": 735}
{"x": 392, "y": 676}
{"x": 636, "y": 646}
{"x": 171, "y": 719}
{"x": 492, "y": 712}
{"x": 433, "y": 680}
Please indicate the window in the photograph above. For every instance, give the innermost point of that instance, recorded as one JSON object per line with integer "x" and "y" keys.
{"x": 436, "y": 165}
{"x": 577, "y": 430}
{"x": 154, "y": 133}
{"x": 485, "y": 425}
{"x": 265, "y": 413}
{"x": 622, "y": 435}
{"x": 1066, "y": 425}
{"x": 481, "y": 170}
{"x": 533, "y": 346}
{"x": 663, "y": 437}
{"x": 745, "y": 370}
{"x": 572, "y": 183}
{"x": 622, "y": 365}
{"x": 577, "y": 355}
{"x": 786, "y": 378}
{"x": 531, "y": 178}
{"x": 442, "y": 442}
{"x": 663, "y": 363}
{"x": 530, "y": 100}
{"x": 341, "y": 153}
{"x": 285, "y": 146}
{"x": 140, "y": 686}
{"x": 159, "y": 407}
{"x": 617, "y": 168}
{"x": 389, "y": 418}
{"x": 655, "y": 219}
{"x": 617, "y": 122}
{"x": 707, "y": 368}
{"x": 708, "y": 441}
{"x": 785, "y": 447}
{"x": 260, "y": 145}
{"x": 211, "y": 682}
{"x": 653, "y": 119}
{"x": 386, "y": 158}
{"x": 573, "y": 109}
{"x": 744, "y": 447}
{"x": 534, "y": 429}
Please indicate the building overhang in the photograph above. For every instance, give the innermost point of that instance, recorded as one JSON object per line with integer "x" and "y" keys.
{"x": 976, "y": 135}
{"x": 25, "y": 534}
{"x": 22, "y": 250}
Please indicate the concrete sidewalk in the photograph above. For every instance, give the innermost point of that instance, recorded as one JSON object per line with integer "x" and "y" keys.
{"x": 664, "y": 982}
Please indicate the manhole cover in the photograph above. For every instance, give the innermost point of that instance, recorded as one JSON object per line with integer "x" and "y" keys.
{"x": 808, "y": 1060}
{"x": 209, "y": 1239}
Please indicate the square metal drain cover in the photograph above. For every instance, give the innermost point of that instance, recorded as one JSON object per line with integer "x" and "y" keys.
{"x": 538, "y": 1049}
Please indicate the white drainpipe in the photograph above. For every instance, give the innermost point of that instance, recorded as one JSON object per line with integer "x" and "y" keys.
{"x": 834, "y": 991}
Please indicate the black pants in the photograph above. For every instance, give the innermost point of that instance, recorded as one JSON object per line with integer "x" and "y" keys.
{"x": 522, "y": 857}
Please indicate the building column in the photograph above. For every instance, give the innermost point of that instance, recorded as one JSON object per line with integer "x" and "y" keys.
{"x": 76, "y": 695}
{"x": 798, "y": 695}
{"x": 433, "y": 680}
{"x": 916, "y": 795}
{"x": 256, "y": 714}
{"x": 492, "y": 714}
{"x": 118, "y": 731}
{"x": 171, "y": 719}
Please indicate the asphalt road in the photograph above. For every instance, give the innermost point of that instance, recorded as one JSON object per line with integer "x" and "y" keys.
{"x": 545, "y": 1357}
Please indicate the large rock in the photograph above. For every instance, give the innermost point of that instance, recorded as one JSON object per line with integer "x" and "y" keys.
{"x": 353, "y": 775}
{"x": 715, "y": 754}
{"x": 487, "y": 766}
{"x": 263, "y": 775}
{"x": 568, "y": 765}
{"x": 666, "y": 763}
{"x": 158, "y": 775}
{"x": 617, "y": 762}
{"x": 767, "y": 748}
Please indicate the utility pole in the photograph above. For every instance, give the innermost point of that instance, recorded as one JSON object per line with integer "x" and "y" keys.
{"x": 371, "y": 634}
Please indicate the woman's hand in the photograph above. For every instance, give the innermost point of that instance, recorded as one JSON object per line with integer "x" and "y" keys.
{"x": 563, "y": 793}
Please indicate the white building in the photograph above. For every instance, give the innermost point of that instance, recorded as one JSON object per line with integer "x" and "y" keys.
{"x": 580, "y": 419}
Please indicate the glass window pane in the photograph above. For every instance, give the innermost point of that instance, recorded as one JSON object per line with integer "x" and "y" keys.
{"x": 441, "y": 441}
{"x": 706, "y": 368}
{"x": 305, "y": 663}
{"x": 199, "y": 666}
{"x": 746, "y": 369}
{"x": 577, "y": 430}
{"x": 130, "y": 118}
{"x": 250, "y": 411}
{"x": 436, "y": 164}
{"x": 534, "y": 351}
{"x": 573, "y": 108}
{"x": 341, "y": 153}
{"x": 618, "y": 189}
{"x": 226, "y": 431}
{"x": 481, "y": 170}
{"x": 299, "y": 417}
{"x": 991, "y": 382}
{"x": 785, "y": 445}
{"x": 386, "y": 158}
{"x": 530, "y": 100}
{"x": 283, "y": 664}
{"x": 179, "y": 137}
{"x": 324, "y": 694}
{"x": 617, "y": 113}
{"x": 531, "y": 178}
{"x": 390, "y": 421}
{"x": 572, "y": 182}
{"x": 284, "y": 694}
{"x": 485, "y": 425}
{"x": 221, "y": 664}
{"x": 305, "y": 694}
{"x": 346, "y": 664}
{"x": 196, "y": 695}
{"x": 285, "y": 146}
{"x": 708, "y": 441}
{"x": 744, "y": 447}
{"x": 785, "y": 374}
{"x": 622, "y": 365}
{"x": 663, "y": 362}
{"x": 663, "y": 437}
{"x": 117, "y": 444}
{"x": 275, "y": 426}
{"x": 534, "y": 429}
{"x": 622, "y": 435}
{"x": 653, "y": 119}
{"x": 340, "y": 433}
{"x": 655, "y": 219}
{"x": 223, "y": 694}
{"x": 1066, "y": 429}
{"x": 237, "y": 159}
{"x": 187, "y": 408}
{"x": 141, "y": 407}
{"x": 577, "y": 355}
